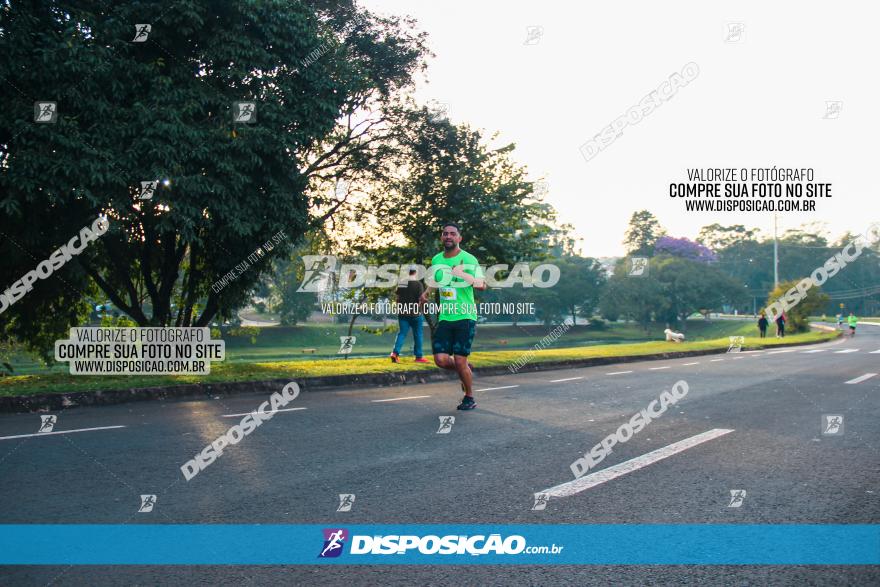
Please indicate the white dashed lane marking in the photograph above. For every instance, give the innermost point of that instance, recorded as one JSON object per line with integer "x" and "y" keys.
{"x": 782, "y": 351}
{"x": 494, "y": 388}
{"x": 715, "y": 360}
{"x": 877, "y": 352}
{"x": 864, "y": 377}
{"x": 59, "y": 432}
{"x": 566, "y": 379}
{"x": 687, "y": 364}
{"x": 618, "y": 372}
{"x": 846, "y": 351}
{"x": 397, "y": 399}
{"x": 593, "y": 479}
{"x": 267, "y": 411}
{"x": 815, "y": 351}
{"x": 658, "y": 368}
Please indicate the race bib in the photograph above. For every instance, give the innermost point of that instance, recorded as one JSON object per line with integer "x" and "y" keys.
{"x": 448, "y": 294}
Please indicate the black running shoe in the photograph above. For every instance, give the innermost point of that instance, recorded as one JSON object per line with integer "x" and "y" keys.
{"x": 467, "y": 403}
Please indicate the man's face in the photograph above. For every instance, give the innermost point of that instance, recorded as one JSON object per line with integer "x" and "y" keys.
{"x": 450, "y": 237}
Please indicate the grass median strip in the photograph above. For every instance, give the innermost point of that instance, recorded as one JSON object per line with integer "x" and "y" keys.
{"x": 24, "y": 385}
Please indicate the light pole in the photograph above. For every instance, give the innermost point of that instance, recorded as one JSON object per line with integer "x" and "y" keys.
{"x": 775, "y": 255}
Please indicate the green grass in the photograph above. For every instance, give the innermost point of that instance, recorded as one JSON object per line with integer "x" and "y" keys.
{"x": 231, "y": 371}
{"x": 287, "y": 343}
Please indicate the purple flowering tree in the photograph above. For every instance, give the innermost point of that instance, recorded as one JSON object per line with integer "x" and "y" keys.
{"x": 684, "y": 248}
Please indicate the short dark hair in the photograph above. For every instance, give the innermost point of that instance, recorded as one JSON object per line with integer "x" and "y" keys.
{"x": 445, "y": 224}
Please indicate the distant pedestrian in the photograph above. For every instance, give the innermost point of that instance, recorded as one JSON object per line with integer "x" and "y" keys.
{"x": 409, "y": 317}
{"x": 780, "y": 326}
{"x": 840, "y": 321}
{"x": 852, "y": 321}
{"x": 763, "y": 323}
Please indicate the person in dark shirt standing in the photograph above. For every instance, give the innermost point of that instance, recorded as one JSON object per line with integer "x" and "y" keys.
{"x": 409, "y": 317}
{"x": 762, "y": 325}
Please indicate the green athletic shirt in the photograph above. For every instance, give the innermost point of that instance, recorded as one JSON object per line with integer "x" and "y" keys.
{"x": 456, "y": 295}
{"x": 852, "y": 320}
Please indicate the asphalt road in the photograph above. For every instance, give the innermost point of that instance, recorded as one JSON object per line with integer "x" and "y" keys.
{"x": 381, "y": 444}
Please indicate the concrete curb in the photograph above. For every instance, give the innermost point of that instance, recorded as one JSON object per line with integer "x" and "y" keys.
{"x": 59, "y": 401}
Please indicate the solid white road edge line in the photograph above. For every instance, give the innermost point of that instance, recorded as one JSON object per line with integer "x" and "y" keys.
{"x": 570, "y": 488}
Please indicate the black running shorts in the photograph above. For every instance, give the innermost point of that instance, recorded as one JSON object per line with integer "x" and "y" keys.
{"x": 454, "y": 337}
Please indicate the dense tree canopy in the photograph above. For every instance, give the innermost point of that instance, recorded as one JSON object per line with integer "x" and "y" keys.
{"x": 163, "y": 109}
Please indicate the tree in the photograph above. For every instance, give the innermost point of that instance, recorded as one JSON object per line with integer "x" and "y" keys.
{"x": 690, "y": 286}
{"x": 684, "y": 248}
{"x": 579, "y": 288}
{"x": 673, "y": 289}
{"x": 164, "y": 109}
{"x": 797, "y": 318}
{"x": 448, "y": 173}
{"x": 717, "y": 237}
{"x": 633, "y": 298}
{"x": 642, "y": 234}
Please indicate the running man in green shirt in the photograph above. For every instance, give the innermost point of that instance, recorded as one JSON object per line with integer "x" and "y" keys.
{"x": 852, "y": 321}
{"x": 458, "y": 311}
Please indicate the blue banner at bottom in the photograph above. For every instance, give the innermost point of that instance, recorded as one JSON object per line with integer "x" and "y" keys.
{"x": 352, "y": 544}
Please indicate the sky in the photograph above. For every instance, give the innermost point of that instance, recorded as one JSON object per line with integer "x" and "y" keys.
{"x": 759, "y": 100}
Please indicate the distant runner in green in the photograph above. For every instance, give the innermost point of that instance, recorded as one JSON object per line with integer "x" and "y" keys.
{"x": 852, "y": 321}
{"x": 458, "y": 311}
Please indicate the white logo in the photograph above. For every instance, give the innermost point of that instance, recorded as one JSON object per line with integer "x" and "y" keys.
{"x": 334, "y": 542}
{"x": 735, "y": 32}
{"x": 736, "y": 343}
{"x": 629, "y": 429}
{"x": 541, "y": 187}
{"x": 341, "y": 189}
{"x": 346, "y": 500}
{"x": 317, "y": 274}
{"x": 45, "y": 112}
{"x": 441, "y": 545}
{"x": 141, "y": 33}
{"x": 737, "y": 496}
{"x": 318, "y": 269}
{"x": 832, "y": 109}
{"x": 541, "y": 500}
{"x": 638, "y": 266}
{"x": 819, "y": 276}
{"x": 236, "y": 433}
{"x": 56, "y": 260}
{"x": 438, "y": 111}
{"x": 533, "y": 35}
{"x": 148, "y": 188}
{"x": 346, "y": 344}
{"x": 147, "y": 503}
{"x": 245, "y": 112}
{"x": 832, "y": 424}
{"x": 47, "y": 423}
{"x": 446, "y": 423}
